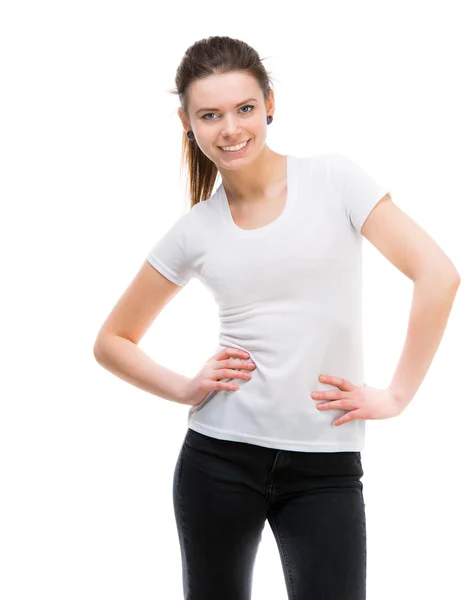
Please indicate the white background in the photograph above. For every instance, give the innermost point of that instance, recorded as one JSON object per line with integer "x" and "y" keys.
{"x": 90, "y": 159}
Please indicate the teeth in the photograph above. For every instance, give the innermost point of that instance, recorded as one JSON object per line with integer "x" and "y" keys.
{"x": 234, "y": 148}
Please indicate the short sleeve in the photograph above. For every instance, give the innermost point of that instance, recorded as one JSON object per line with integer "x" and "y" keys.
{"x": 359, "y": 191}
{"x": 169, "y": 254}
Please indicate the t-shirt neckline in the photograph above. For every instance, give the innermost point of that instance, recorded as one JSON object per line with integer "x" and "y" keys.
{"x": 270, "y": 226}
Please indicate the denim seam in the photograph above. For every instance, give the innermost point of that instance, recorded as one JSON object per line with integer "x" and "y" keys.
{"x": 286, "y": 565}
{"x": 286, "y": 559}
{"x": 269, "y": 485}
{"x": 184, "y": 529}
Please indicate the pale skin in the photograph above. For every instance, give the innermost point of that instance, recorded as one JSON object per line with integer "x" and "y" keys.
{"x": 409, "y": 248}
{"x": 363, "y": 402}
{"x": 401, "y": 241}
{"x": 256, "y": 192}
{"x": 252, "y": 181}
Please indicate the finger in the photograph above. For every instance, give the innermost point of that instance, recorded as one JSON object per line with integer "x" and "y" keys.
{"x": 328, "y": 395}
{"x": 340, "y": 382}
{"x": 228, "y": 351}
{"x": 337, "y": 404}
{"x": 344, "y": 404}
{"x": 235, "y": 363}
{"x": 232, "y": 373}
{"x": 350, "y": 416}
{"x": 224, "y": 385}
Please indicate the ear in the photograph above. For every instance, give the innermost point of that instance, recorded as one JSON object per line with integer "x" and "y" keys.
{"x": 184, "y": 121}
{"x": 270, "y": 102}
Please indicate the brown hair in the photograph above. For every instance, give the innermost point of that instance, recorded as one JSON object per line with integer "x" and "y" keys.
{"x": 212, "y": 56}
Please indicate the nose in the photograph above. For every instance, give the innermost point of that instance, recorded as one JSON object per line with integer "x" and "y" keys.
{"x": 231, "y": 129}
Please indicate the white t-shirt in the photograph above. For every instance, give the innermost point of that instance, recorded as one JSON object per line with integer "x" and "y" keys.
{"x": 288, "y": 293}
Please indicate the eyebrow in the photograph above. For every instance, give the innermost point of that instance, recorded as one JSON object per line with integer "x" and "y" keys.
{"x": 236, "y": 106}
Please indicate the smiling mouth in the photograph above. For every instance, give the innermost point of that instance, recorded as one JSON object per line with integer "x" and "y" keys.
{"x": 231, "y": 145}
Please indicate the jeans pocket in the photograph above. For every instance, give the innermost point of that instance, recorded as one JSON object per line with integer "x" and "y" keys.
{"x": 198, "y": 441}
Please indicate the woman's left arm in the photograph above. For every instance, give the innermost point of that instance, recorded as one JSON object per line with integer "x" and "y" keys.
{"x": 409, "y": 248}
{"x": 431, "y": 305}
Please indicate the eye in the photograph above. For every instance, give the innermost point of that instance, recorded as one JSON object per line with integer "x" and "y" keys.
{"x": 246, "y": 106}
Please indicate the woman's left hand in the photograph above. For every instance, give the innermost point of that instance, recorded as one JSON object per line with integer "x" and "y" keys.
{"x": 362, "y": 402}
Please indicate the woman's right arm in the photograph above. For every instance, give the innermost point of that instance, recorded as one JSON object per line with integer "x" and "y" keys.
{"x": 116, "y": 346}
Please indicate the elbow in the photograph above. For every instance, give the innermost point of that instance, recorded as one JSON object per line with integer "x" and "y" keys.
{"x": 98, "y": 348}
{"x": 453, "y": 276}
{"x": 104, "y": 344}
{"x": 454, "y": 280}
{"x": 449, "y": 279}
{"x": 96, "y": 352}
{"x": 452, "y": 284}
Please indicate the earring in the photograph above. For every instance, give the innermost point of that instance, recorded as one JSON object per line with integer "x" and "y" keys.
{"x": 269, "y": 120}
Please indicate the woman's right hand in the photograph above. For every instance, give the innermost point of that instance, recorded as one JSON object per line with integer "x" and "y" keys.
{"x": 227, "y": 363}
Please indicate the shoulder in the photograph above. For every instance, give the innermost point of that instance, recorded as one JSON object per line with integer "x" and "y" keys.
{"x": 203, "y": 215}
{"x": 327, "y": 168}
{"x": 330, "y": 163}
{"x": 205, "y": 208}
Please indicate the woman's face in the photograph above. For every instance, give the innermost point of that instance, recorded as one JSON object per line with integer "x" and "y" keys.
{"x": 226, "y": 110}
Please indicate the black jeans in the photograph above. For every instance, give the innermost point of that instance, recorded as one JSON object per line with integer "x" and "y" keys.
{"x": 224, "y": 491}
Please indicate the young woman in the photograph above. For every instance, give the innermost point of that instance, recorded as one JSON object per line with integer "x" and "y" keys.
{"x": 277, "y": 415}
